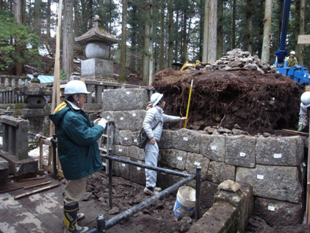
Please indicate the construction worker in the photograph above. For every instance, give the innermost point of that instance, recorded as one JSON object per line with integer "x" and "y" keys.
{"x": 153, "y": 126}
{"x": 292, "y": 60}
{"x": 304, "y": 109}
{"x": 78, "y": 150}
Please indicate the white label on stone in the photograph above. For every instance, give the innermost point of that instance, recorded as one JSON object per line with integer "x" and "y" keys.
{"x": 185, "y": 138}
{"x": 127, "y": 92}
{"x": 197, "y": 163}
{"x": 120, "y": 150}
{"x": 108, "y": 117}
{"x": 242, "y": 154}
{"x": 271, "y": 208}
{"x": 122, "y": 118}
{"x": 213, "y": 147}
{"x": 124, "y": 165}
{"x": 304, "y": 164}
{"x": 277, "y": 156}
{"x": 139, "y": 168}
{"x": 134, "y": 114}
{"x": 180, "y": 158}
{"x": 135, "y": 140}
{"x": 125, "y": 138}
{"x": 260, "y": 177}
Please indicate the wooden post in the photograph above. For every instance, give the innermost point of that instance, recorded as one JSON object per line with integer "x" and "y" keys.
{"x": 56, "y": 85}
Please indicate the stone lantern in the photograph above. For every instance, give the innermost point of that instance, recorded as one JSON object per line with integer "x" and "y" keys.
{"x": 35, "y": 100}
{"x": 97, "y": 41}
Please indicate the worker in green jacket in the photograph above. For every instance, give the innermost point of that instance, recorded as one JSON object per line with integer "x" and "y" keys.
{"x": 78, "y": 150}
{"x": 292, "y": 60}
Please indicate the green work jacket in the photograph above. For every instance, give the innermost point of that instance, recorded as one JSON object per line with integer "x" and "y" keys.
{"x": 77, "y": 137}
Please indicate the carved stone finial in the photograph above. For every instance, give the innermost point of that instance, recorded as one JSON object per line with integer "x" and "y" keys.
{"x": 35, "y": 78}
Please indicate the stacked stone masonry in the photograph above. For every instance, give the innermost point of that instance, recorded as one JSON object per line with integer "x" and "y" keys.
{"x": 274, "y": 166}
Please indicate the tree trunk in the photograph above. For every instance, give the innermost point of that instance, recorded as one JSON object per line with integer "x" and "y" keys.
{"x": 248, "y": 26}
{"x": 301, "y": 32}
{"x": 146, "y": 52}
{"x": 220, "y": 35}
{"x": 170, "y": 32}
{"x": 18, "y": 15}
{"x": 267, "y": 31}
{"x": 162, "y": 38}
{"x": 212, "y": 31}
{"x": 48, "y": 19}
{"x": 67, "y": 42}
{"x": 233, "y": 25}
{"x": 37, "y": 17}
{"x": 184, "y": 37}
{"x": 134, "y": 39}
{"x": 151, "y": 67}
{"x": 205, "y": 32}
{"x": 122, "y": 73}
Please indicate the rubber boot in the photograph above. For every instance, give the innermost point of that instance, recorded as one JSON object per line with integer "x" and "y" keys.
{"x": 70, "y": 220}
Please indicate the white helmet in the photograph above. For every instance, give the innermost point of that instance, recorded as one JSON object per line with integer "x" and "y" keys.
{"x": 292, "y": 52}
{"x": 76, "y": 87}
{"x": 155, "y": 98}
{"x": 305, "y": 99}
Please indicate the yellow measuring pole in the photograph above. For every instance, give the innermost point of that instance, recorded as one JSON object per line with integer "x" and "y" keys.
{"x": 189, "y": 100}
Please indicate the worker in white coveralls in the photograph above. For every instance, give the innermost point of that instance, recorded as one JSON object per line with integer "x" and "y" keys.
{"x": 304, "y": 108}
{"x": 155, "y": 117}
{"x": 78, "y": 149}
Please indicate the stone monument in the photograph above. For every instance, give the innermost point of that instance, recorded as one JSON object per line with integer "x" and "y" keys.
{"x": 98, "y": 66}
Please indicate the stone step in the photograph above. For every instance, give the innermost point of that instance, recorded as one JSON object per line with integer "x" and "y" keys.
{"x": 4, "y": 168}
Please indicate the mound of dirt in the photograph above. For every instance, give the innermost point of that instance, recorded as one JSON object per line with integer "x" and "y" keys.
{"x": 256, "y": 102}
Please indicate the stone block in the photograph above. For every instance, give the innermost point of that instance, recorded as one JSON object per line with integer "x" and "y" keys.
{"x": 120, "y": 150}
{"x": 207, "y": 191}
{"x": 15, "y": 135}
{"x": 240, "y": 151}
{"x": 213, "y": 147}
{"x": 165, "y": 180}
{"x": 166, "y": 140}
{"x": 123, "y": 168}
{"x": 125, "y": 137}
{"x": 186, "y": 140}
{"x": 219, "y": 171}
{"x": 281, "y": 151}
{"x": 4, "y": 169}
{"x": 175, "y": 159}
{"x": 242, "y": 199}
{"x": 96, "y": 68}
{"x": 137, "y": 174}
{"x": 275, "y": 182}
{"x": 278, "y": 213}
{"x": 126, "y": 120}
{"x": 136, "y": 152}
{"x": 221, "y": 217}
{"x": 124, "y": 99}
{"x": 197, "y": 160}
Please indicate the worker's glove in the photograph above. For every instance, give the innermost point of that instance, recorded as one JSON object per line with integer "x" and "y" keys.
{"x": 300, "y": 128}
{"x": 96, "y": 121}
{"x": 102, "y": 122}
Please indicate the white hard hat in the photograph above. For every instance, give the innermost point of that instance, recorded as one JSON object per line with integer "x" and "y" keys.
{"x": 305, "y": 99}
{"x": 292, "y": 52}
{"x": 155, "y": 98}
{"x": 76, "y": 87}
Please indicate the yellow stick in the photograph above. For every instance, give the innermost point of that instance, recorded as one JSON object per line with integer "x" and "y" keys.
{"x": 189, "y": 100}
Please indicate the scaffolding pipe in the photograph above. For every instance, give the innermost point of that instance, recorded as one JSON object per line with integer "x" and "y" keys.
{"x": 166, "y": 171}
{"x": 54, "y": 156}
{"x": 110, "y": 223}
{"x": 110, "y": 182}
{"x": 198, "y": 184}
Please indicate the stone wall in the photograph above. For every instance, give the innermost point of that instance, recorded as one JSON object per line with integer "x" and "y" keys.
{"x": 274, "y": 166}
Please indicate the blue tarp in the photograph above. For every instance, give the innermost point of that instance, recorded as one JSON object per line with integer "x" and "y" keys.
{"x": 43, "y": 78}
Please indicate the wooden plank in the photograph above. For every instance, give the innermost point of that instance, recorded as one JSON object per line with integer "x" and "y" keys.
{"x": 293, "y": 132}
{"x": 308, "y": 186}
{"x": 36, "y": 191}
{"x": 36, "y": 185}
{"x": 304, "y": 39}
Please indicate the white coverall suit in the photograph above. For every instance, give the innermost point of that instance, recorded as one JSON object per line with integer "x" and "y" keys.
{"x": 152, "y": 117}
{"x": 303, "y": 115}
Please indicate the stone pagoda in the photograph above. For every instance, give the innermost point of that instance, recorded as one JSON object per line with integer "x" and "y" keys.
{"x": 97, "y": 41}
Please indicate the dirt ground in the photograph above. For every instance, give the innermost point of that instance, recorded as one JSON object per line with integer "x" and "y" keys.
{"x": 159, "y": 216}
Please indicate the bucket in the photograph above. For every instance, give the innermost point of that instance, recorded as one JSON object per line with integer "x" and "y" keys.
{"x": 185, "y": 202}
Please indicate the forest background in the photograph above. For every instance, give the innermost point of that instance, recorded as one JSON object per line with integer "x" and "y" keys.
{"x": 153, "y": 33}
